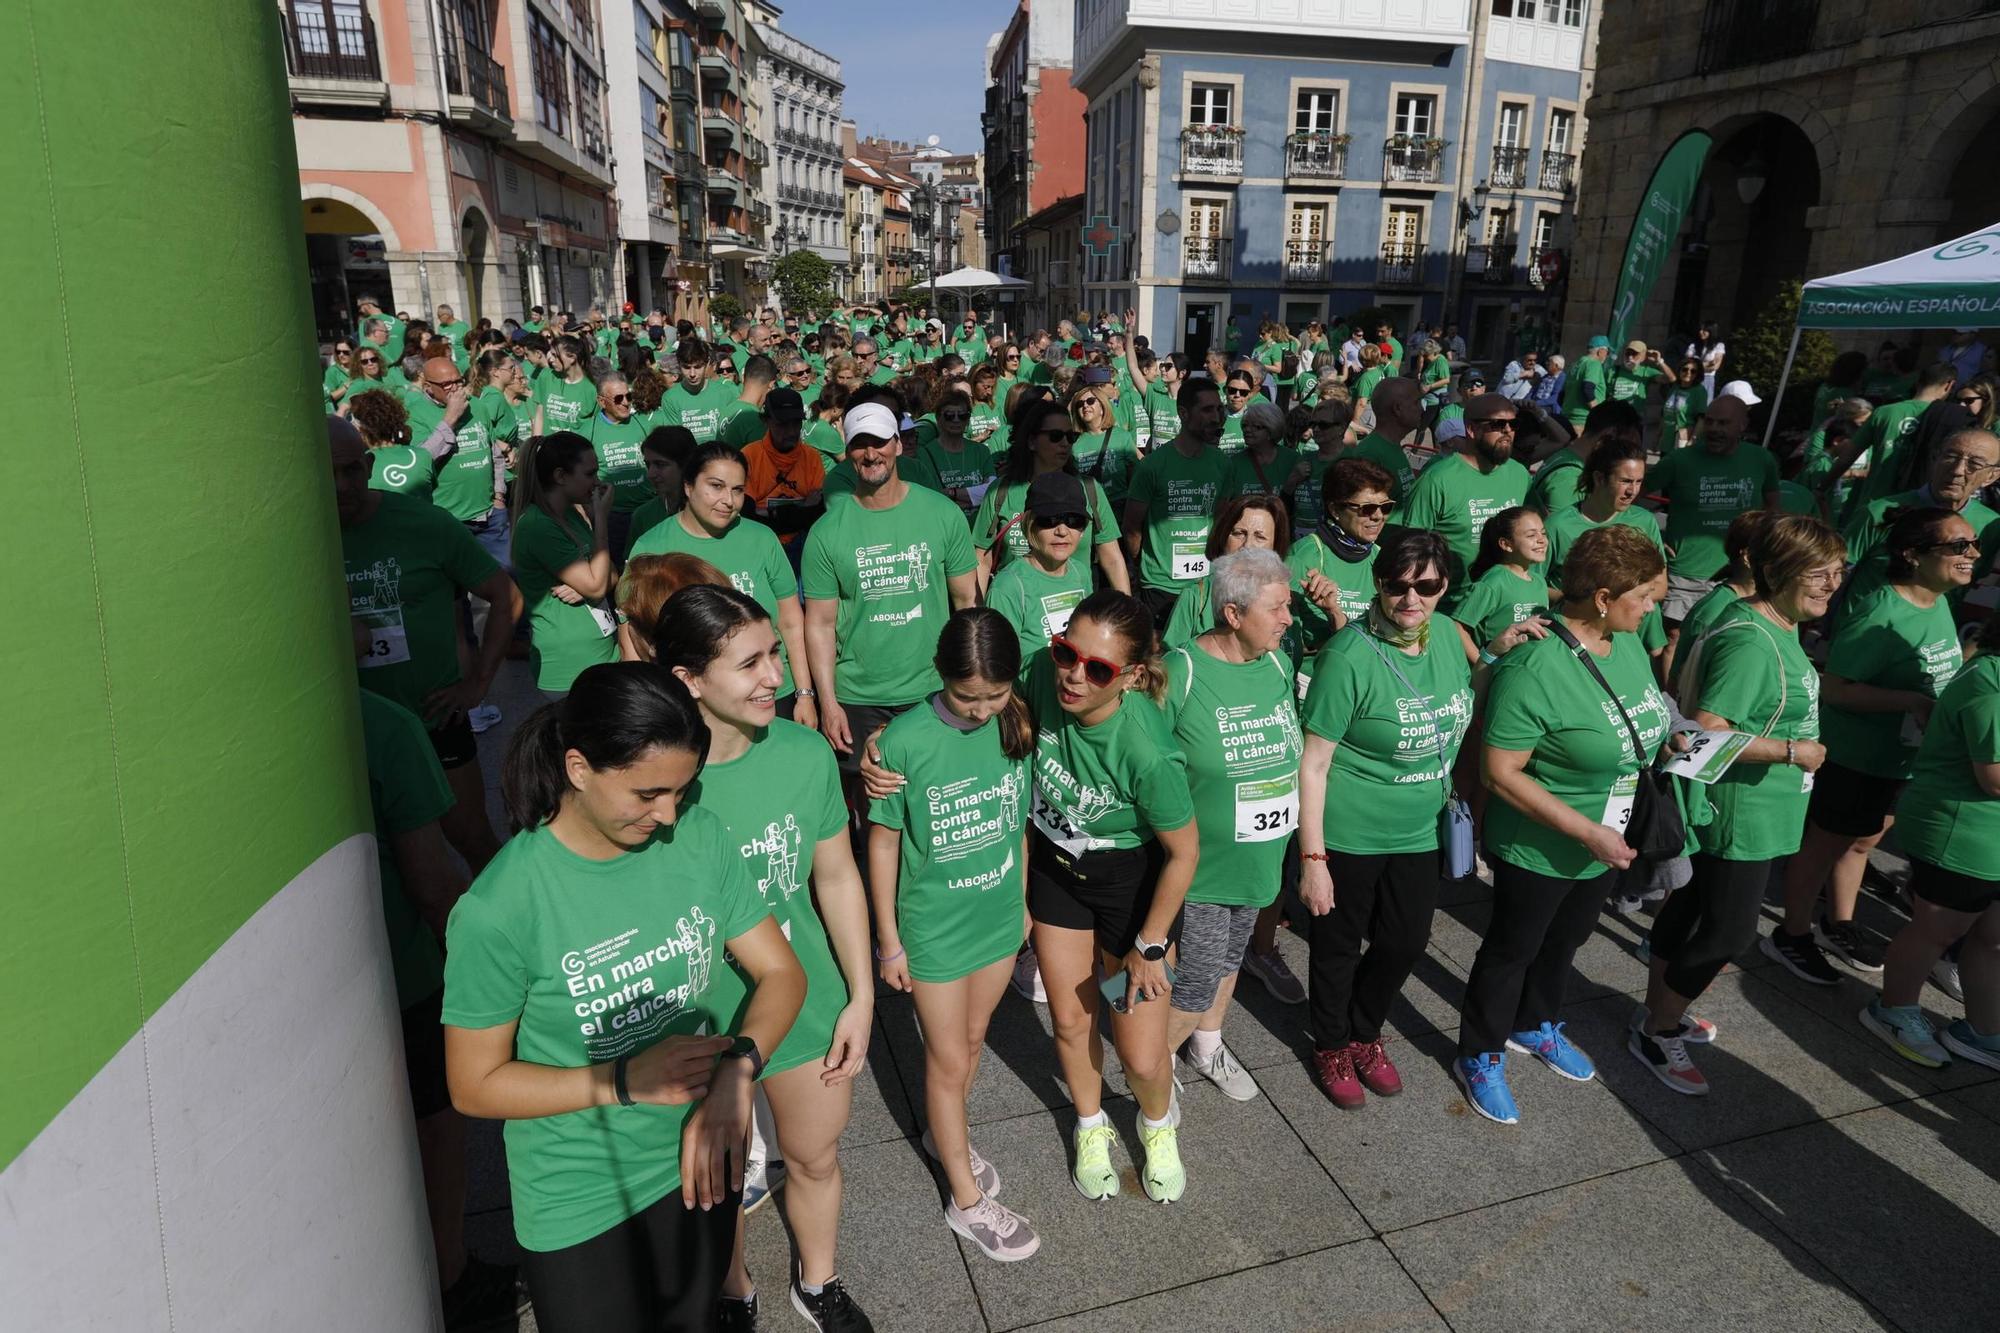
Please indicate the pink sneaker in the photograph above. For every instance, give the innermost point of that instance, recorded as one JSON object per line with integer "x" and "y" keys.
{"x": 1336, "y": 1076}
{"x": 1375, "y": 1069}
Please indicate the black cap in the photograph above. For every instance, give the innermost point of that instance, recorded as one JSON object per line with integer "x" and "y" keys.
{"x": 784, "y": 405}
{"x": 1056, "y": 493}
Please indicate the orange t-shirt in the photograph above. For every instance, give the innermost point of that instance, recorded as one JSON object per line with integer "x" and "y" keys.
{"x": 777, "y": 479}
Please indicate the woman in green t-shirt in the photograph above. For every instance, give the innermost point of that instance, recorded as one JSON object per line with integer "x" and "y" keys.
{"x": 339, "y": 370}
{"x": 580, "y": 967}
{"x": 1950, "y": 826}
{"x": 947, "y": 856}
{"x": 1042, "y": 438}
{"x": 561, "y": 559}
{"x": 1732, "y": 585}
{"x": 775, "y": 787}
{"x": 1390, "y": 703}
{"x": 1507, "y": 583}
{"x": 988, "y": 426}
{"x": 1562, "y": 761}
{"x": 395, "y": 464}
{"x": 1333, "y": 565}
{"x": 1748, "y": 674}
{"x": 1686, "y": 400}
{"x": 963, "y": 465}
{"x": 1894, "y": 651}
{"x": 566, "y": 397}
{"x": 1105, "y": 452}
{"x": 1037, "y": 593}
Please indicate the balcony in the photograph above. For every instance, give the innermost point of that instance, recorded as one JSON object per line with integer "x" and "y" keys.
{"x": 1510, "y": 167}
{"x": 590, "y": 127}
{"x": 760, "y": 213}
{"x": 713, "y": 11}
{"x": 1558, "y": 171}
{"x": 1212, "y": 150}
{"x": 1735, "y": 33}
{"x": 474, "y": 82}
{"x": 1400, "y": 266}
{"x": 1207, "y": 258}
{"x": 1492, "y": 262}
{"x": 755, "y": 150}
{"x": 1316, "y": 156}
{"x": 1412, "y": 159}
{"x": 331, "y": 55}
{"x": 792, "y": 194}
{"x": 1305, "y": 261}
{"x": 715, "y": 65}
{"x": 688, "y": 168}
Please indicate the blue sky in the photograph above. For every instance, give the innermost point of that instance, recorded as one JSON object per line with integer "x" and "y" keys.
{"x": 913, "y": 68}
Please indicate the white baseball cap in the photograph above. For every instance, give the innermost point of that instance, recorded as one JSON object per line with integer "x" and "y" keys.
{"x": 873, "y": 419}
{"x": 1740, "y": 389}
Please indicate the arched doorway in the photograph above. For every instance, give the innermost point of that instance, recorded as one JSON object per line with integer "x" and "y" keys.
{"x": 1974, "y": 186}
{"x": 475, "y": 239}
{"x": 1746, "y": 233}
{"x": 346, "y": 256}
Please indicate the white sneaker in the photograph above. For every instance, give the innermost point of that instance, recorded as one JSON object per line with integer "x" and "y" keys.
{"x": 1028, "y": 978}
{"x": 1001, "y": 1234}
{"x": 1223, "y": 1071}
{"x": 983, "y": 1174}
{"x": 484, "y": 718}
{"x": 1944, "y": 975}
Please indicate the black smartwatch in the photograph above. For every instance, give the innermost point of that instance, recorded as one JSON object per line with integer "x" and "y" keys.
{"x": 1152, "y": 953}
{"x": 745, "y": 1049}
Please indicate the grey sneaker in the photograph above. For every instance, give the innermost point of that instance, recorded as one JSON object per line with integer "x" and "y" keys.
{"x": 1223, "y": 1071}
{"x": 1272, "y": 973}
{"x": 983, "y": 1174}
{"x": 1944, "y": 975}
{"x": 1001, "y": 1234}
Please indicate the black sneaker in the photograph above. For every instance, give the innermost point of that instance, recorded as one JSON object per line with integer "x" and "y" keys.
{"x": 832, "y": 1311}
{"x": 734, "y": 1316}
{"x": 1800, "y": 956}
{"x": 485, "y": 1294}
{"x": 1844, "y": 940}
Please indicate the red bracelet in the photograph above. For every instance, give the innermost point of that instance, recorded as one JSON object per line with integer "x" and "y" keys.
{"x": 1312, "y": 856}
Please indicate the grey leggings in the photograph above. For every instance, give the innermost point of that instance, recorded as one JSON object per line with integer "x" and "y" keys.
{"x": 1213, "y": 939}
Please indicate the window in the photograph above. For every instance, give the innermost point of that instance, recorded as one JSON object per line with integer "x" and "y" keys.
{"x": 1513, "y": 123}
{"x": 1561, "y": 125}
{"x": 1498, "y": 223}
{"x": 656, "y": 41}
{"x": 1209, "y": 104}
{"x": 551, "y": 73}
{"x": 1305, "y": 243}
{"x": 1572, "y": 13}
{"x": 1402, "y": 226}
{"x": 1545, "y": 231}
{"x": 1318, "y": 111}
{"x": 1416, "y": 114}
{"x": 1513, "y": 9}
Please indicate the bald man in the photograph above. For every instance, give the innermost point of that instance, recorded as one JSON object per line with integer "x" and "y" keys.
{"x": 1398, "y": 407}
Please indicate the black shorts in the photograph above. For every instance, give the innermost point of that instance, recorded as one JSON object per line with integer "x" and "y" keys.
{"x": 423, "y": 1056}
{"x": 455, "y": 743}
{"x": 1851, "y": 803}
{"x": 863, "y": 721}
{"x": 1108, "y": 892}
{"x": 1952, "y": 890}
{"x": 1160, "y": 601}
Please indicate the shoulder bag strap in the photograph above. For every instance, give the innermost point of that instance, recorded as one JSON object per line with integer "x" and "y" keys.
{"x": 1784, "y": 691}
{"x": 1589, "y": 661}
{"x": 1444, "y": 770}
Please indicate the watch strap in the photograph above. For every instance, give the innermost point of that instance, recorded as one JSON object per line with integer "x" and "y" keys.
{"x": 618, "y": 1080}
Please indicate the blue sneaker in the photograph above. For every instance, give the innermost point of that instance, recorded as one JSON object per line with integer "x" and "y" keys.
{"x": 1905, "y": 1030}
{"x": 1548, "y": 1044}
{"x": 1484, "y": 1078}
{"x": 1979, "y": 1047}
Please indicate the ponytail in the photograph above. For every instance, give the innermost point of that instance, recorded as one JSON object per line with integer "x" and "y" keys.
{"x": 978, "y": 644}
{"x": 613, "y": 715}
{"x": 1127, "y": 617}
{"x": 536, "y": 465}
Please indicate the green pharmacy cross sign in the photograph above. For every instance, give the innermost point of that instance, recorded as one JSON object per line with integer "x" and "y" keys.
{"x": 1101, "y": 236}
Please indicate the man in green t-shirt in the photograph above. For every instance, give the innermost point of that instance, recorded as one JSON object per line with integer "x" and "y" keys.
{"x": 1457, "y": 493}
{"x": 1588, "y": 383}
{"x": 1966, "y": 460}
{"x": 455, "y": 331}
{"x": 1878, "y": 438}
{"x": 699, "y": 401}
{"x": 391, "y": 342}
{"x": 1398, "y": 407}
{"x": 969, "y": 340}
{"x": 1170, "y": 503}
{"x": 743, "y": 420}
{"x": 1635, "y": 374}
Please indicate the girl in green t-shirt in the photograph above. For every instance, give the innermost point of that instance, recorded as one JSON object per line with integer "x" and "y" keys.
{"x": 1042, "y": 441}
{"x": 1507, "y": 584}
{"x": 947, "y": 857}
{"x": 1893, "y": 652}
{"x": 581, "y": 966}
{"x": 776, "y": 788}
{"x": 562, "y": 560}
{"x": 1747, "y": 674}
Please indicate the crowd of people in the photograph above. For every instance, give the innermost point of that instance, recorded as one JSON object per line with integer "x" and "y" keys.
{"x": 880, "y": 655}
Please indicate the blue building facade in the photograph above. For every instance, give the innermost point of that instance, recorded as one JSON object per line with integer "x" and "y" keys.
{"x": 1295, "y": 160}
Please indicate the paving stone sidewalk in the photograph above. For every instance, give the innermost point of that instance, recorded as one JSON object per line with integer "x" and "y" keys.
{"x": 1822, "y": 1185}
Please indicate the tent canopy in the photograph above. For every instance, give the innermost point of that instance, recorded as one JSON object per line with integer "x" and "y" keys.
{"x": 974, "y": 280}
{"x": 1954, "y": 285}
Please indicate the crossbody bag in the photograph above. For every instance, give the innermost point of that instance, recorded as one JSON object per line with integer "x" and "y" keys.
{"x": 1654, "y": 828}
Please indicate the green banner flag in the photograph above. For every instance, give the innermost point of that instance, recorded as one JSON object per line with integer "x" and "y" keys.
{"x": 1668, "y": 195}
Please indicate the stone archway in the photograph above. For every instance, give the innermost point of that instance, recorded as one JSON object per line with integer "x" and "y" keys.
{"x": 479, "y": 243}
{"x": 351, "y": 248}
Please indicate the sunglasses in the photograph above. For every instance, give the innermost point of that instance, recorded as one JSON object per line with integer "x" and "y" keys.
{"x": 1076, "y": 522}
{"x": 371, "y": 360}
{"x": 1328, "y": 425}
{"x": 620, "y": 398}
{"x": 1961, "y": 547}
{"x": 954, "y": 416}
{"x": 1237, "y": 391}
{"x": 1095, "y": 669}
{"x": 1062, "y": 436}
{"x": 1424, "y": 587}
{"x": 1494, "y": 423}
{"x": 1371, "y": 511}
{"x": 1971, "y": 399}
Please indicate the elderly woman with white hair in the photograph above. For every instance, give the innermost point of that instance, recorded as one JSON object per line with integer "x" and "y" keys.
{"x": 1229, "y": 702}
{"x": 1266, "y": 462}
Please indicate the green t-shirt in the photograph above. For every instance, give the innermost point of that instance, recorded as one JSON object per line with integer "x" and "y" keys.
{"x": 701, "y": 413}
{"x": 505, "y": 423}
{"x": 958, "y": 470}
{"x": 644, "y": 519}
{"x": 392, "y": 350}
{"x": 1162, "y": 414}
{"x": 1887, "y": 641}
{"x": 464, "y": 477}
{"x": 1701, "y": 616}
{"x": 1558, "y": 483}
{"x": 565, "y": 406}
{"x": 593, "y": 960}
{"x": 973, "y": 349}
{"x": 1566, "y": 525}
{"x": 743, "y": 426}
{"x": 564, "y": 639}
{"x": 1886, "y": 428}
{"x": 1112, "y": 785}
{"x": 1037, "y": 603}
{"x": 456, "y": 333}
{"x": 1108, "y": 458}
{"x": 1945, "y": 816}
{"x": 1369, "y": 378}
{"x": 1867, "y": 548}
{"x": 406, "y": 790}
{"x": 1680, "y": 410}
{"x": 1498, "y": 600}
{"x": 995, "y": 522}
{"x": 1544, "y": 700}
{"x": 1705, "y": 491}
{"x": 405, "y": 568}
{"x": 1454, "y": 498}
{"x": 1309, "y": 497}
{"x": 1576, "y": 405}
{"x": 619, "y": 460}
{"x": 988, "y": 426}
{"x": 334, "y": 378}
{"x": 1246, "y": 476}
{"x": 1354, "y": 578}
{"x": 1237, "y": 727}
{"x": 779, "y": 799}
{"x": 961, "y": 886}
{"x": 1179, "y": 496}
{"x": 1394, "y": 743}
{"x": 1632, "y": 384}
{"x": 1756, "y": 677}
{"x": 888, "y": 569}
{"x": 825, "y": 437}
{"x": 1386, "y": 454}
{"x": 747, "y": 552}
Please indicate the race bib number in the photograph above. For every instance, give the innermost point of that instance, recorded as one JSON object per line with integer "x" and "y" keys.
{"x": 1055, "y": 826}
{"x": 388, "y": 643}
{"x": 607, "y": 624}
{"x": 1806, "y": 779}
{"x": 1618, "y": 809}
{"x": 1267, "y": 810}
{"x": 1190, "y": 560}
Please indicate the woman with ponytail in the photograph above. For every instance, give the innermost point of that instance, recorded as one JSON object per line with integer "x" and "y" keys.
{"x": 947, "y": 854}
{"x": 581, "y": 965}
{"x": 562, "y": 559}
{"x": 776, "y": 789}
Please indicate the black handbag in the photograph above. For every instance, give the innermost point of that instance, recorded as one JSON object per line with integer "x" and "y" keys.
{"x": 1656, "y": 830}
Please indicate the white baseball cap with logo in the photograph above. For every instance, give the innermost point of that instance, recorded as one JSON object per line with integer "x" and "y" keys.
{"x": 872, "y": 419}
{"x": 1740, "y": 389}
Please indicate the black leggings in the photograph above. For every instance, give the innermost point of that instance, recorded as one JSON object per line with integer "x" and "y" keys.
{"x": 1703, "y": 926}
{"x": 1387, "y": 901}
{"x": 661, "y": 1269}
{"x": 1521, "y": 971}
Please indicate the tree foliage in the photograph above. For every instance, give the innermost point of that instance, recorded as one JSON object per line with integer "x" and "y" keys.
{"x": 723, "y": 307}
{"x": 805, "y": 281}
{"x": 1757, "y": 354}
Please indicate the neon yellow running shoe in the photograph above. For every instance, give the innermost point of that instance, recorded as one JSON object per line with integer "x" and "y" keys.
{"x": 1163, "y": 1178}
{"x": 1093, "y": 1176}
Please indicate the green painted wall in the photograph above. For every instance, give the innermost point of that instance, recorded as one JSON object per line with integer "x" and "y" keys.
{"x": 179, "y": 735}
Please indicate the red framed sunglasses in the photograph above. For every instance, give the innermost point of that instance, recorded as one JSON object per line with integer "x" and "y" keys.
{"x": 1096, "y": 670}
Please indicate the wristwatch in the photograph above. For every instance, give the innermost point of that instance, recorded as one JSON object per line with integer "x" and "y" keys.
{"x": 1152, "y": 953}
{"x": 745, "y": 1049}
